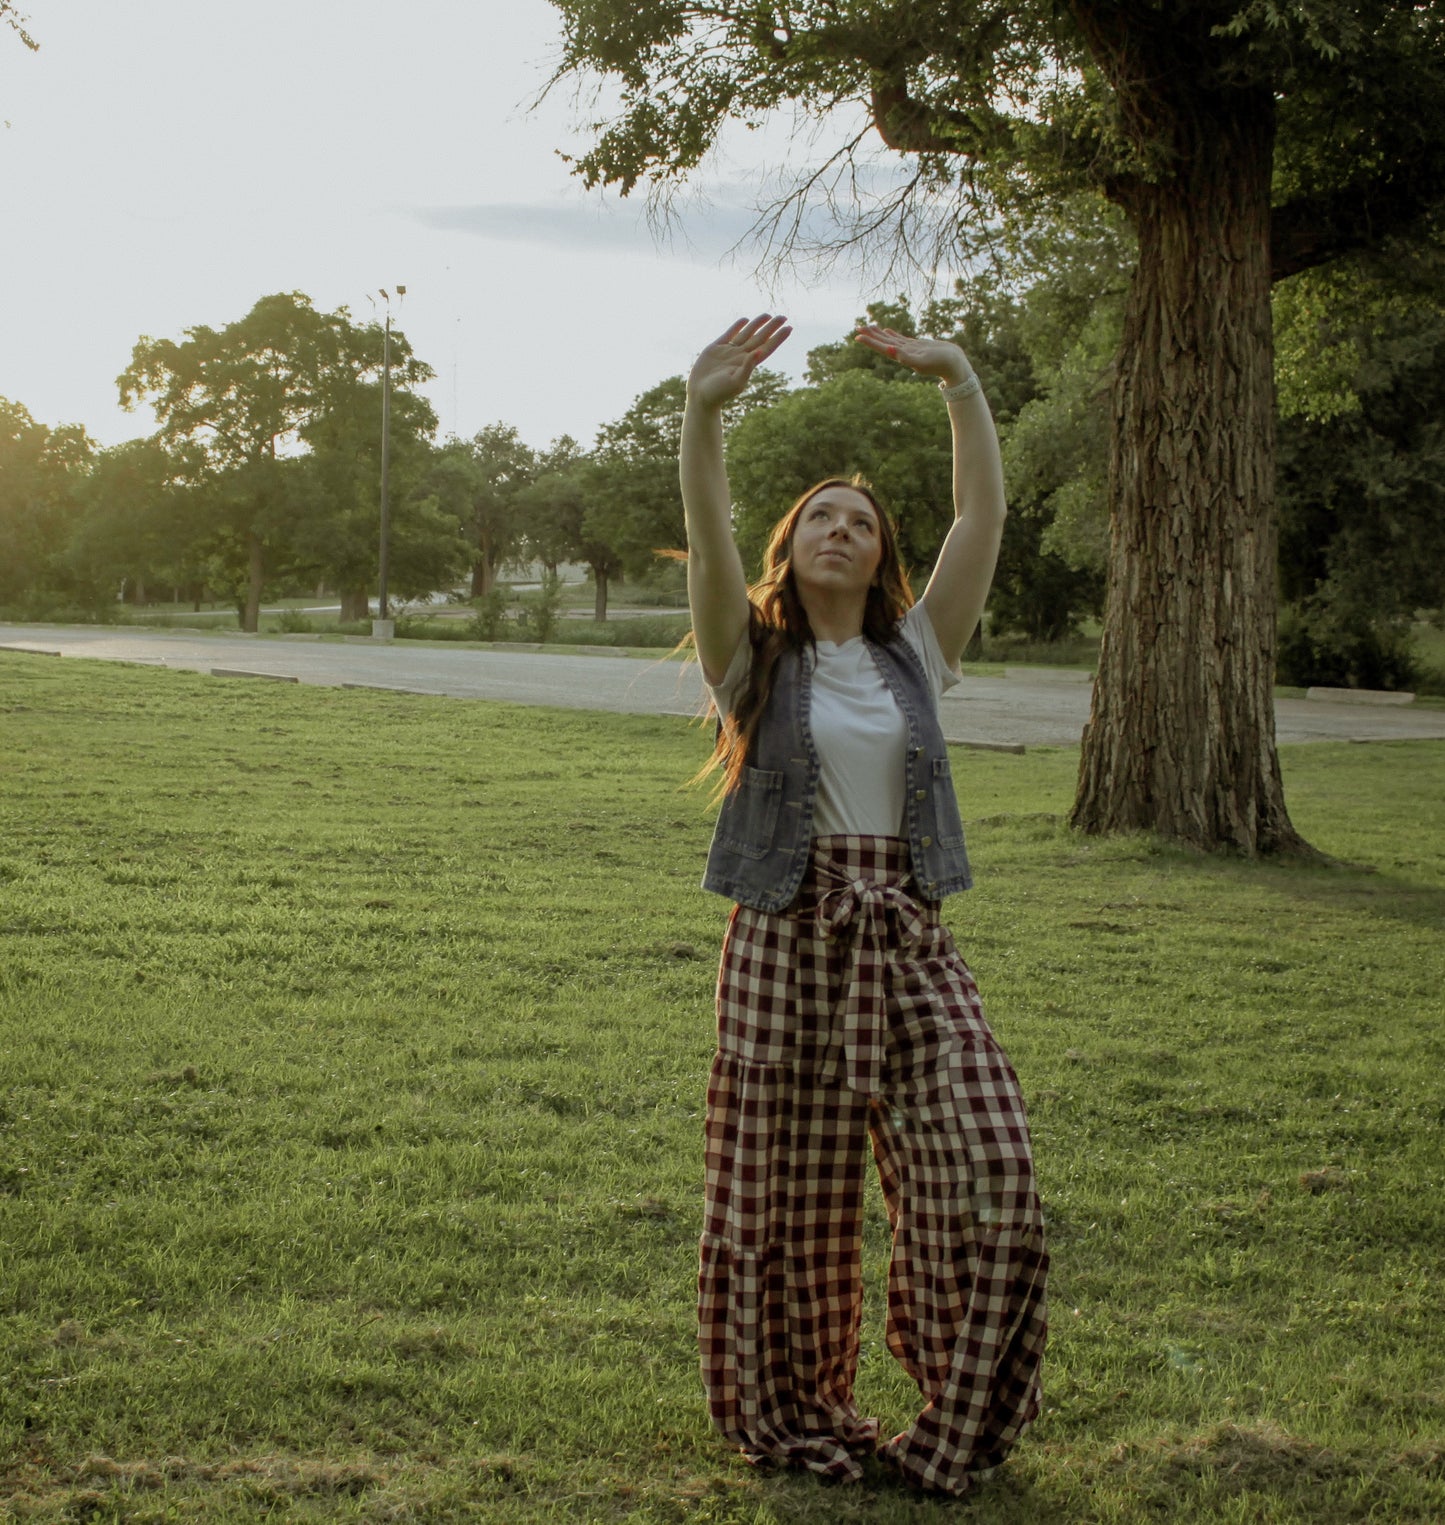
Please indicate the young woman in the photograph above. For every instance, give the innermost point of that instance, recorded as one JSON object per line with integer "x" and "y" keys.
{"x": 844, "y": 1009}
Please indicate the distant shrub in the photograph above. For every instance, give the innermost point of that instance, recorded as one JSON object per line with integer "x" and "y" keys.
{"x": 540, "y": 611}
{"x": 56, "y": 609}
{"x": 486, "y": 624}
{"x": 1073, "y": 651}
{"x": 652, "y": 630}
{"x": 1327, "y": 647}
{"x": 432, "y": 628}
{"x": 293, "y": 622}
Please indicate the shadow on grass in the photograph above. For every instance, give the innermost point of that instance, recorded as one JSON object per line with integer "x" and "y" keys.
{"x": 1348, "y": 886}
{"x": 883, "y": 1498}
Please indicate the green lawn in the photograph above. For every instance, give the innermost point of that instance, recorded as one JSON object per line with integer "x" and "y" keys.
{"x": 352, "y": 1050}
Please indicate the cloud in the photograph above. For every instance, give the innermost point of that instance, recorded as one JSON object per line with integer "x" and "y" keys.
{"x": 706, "y": 234}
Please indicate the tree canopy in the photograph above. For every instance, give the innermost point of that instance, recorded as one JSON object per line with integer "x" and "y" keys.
{"x": 239, "y": 407}
{"x": 39, "y": 469}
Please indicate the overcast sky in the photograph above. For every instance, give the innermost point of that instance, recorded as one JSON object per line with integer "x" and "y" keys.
{"x": 164, "y": 163}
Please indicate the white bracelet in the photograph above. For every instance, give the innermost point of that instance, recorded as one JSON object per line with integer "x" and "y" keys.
{"x": 965, "y": 388}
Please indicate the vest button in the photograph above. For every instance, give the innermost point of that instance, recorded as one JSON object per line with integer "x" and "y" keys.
{"x": 925, "y": 841}
{"x": 920, "y": 794}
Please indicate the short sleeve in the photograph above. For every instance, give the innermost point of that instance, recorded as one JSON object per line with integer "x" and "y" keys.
{"x": 724, "y": 695}
{"x": 917, "y": 629}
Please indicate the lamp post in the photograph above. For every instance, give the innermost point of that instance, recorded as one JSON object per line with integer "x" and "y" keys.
{"x": 382, "y": 627}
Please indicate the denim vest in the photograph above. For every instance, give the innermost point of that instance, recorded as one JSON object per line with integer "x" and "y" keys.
{"x": 763, "y": 838}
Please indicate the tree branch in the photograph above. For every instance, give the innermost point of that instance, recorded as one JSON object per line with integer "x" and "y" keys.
{"x": 1313, "y": 230}
{"x": 911, "y": 126}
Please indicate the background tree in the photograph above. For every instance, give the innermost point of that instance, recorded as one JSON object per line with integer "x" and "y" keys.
{"x": 335, "y": 494}
{"x": 1243, "y": 142}
{"x": 558, "y": 508}
{"x": 1362, "y": 469}
{"x": 236, "y": 403}
{"x": 40, "y": 470}
{"x": 134, "y": 530}
{"x": 479, "y": 481}
{"x": 636, "y": 508}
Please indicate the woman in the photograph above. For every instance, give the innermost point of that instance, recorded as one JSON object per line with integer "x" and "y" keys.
{"x": 844, "y": 1009}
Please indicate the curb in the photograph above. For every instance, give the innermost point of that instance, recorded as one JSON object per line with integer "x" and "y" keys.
{"x": 1358, "y": 696}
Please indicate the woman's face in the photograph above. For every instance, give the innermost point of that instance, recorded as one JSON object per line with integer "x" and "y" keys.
{"x": 837, "y": 545}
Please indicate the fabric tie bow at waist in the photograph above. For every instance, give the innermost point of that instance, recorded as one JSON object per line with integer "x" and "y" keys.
{"x": 876, "y": 918}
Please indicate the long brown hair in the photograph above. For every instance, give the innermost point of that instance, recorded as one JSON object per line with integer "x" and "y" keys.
{"x": 777, "y": 622}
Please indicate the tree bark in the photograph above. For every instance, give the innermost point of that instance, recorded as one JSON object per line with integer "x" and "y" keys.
{"x": 599, "y": 602}
{"x": 1181, "y": 737}
{"x": 484, "y": 577}
{"x": 251, "y": 616}
{"x": 355, "y": 605}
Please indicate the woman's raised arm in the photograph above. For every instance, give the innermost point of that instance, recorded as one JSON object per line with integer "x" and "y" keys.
{"x": 717, "y": 589}
{"x": 961, "y": 577}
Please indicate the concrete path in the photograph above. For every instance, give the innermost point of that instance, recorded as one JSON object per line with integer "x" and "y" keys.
{"x": 1031, "y": 706}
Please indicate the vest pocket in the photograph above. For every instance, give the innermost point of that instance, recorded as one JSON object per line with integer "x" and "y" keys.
{"x": 749, "y": 821}
{"x": 947, "y": 825}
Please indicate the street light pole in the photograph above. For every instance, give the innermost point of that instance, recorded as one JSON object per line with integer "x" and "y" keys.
{"x": 382, "y": 626}
{"x": 385, "y": 463}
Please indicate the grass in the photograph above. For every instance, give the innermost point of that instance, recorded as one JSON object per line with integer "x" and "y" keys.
{"x": 352, "y": 1050}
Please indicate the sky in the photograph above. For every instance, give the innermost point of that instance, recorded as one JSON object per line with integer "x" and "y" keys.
{"x": 165, "y": 163}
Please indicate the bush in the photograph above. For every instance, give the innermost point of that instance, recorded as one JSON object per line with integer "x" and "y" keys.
{"x": 656, "y": 631}
{"x": 410, "y": 627}
{"x": 1071, "y": 651}
{"x": 293, "y": 622}
{"x": 43, "y": 607}
{"x": 486, "y": 624}
{"x": 541, "y": 611}
{"x": 1321, "y": 645}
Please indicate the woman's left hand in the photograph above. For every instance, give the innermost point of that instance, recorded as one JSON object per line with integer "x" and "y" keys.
{"x": 929, "y": 357}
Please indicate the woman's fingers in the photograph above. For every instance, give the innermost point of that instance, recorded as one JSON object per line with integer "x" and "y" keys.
{"x": 752, "y": 333}
{"x": 725, "y": 366}
{"x": 752, "y": 340}
{"x": 884, "y": 340}
{"x": 768, "y": 338}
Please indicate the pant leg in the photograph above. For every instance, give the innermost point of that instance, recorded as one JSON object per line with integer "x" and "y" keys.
{"x": 966, "y": 1303}
{"x": 779, "y": 1289}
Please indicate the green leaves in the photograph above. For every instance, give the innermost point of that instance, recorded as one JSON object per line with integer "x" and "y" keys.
{"x": 275, "y": 421}
{"x": 39, "y": 468}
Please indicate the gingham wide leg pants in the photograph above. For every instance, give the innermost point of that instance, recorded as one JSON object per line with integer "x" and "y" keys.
{"x": 852, "y": 1015}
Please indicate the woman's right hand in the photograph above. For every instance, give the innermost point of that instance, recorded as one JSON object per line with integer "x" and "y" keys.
{"x": 723, "y": 369}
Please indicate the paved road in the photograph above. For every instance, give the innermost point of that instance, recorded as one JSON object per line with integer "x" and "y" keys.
{"x": 1031, "y": 706}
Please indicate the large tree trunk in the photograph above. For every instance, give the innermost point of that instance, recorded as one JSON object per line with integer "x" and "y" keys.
{"x": 251, "y": 616}
{"x": 599, "y": 603}
{"x": 355, "y": 605}
{"x": 1181, "y": 738}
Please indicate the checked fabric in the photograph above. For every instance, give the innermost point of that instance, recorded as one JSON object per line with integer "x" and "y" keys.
{"x": 852, "y": 1015}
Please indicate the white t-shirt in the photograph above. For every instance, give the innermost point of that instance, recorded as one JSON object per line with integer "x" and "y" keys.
{"x": 858, "y": 730}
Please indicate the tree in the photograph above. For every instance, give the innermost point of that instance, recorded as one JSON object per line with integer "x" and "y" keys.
{"x": 479, "y": 482}
{"x": 1243, "y": 140}
{"x": 134, "y": 530}
{"x": 1362, "y": 471}
{"x": 236, "y": 403}
{"x": 40, "y": 470}
{"x": 636, "y": 508}
{"x": 557, "y": 506}
{"x": 334, "y": 491}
